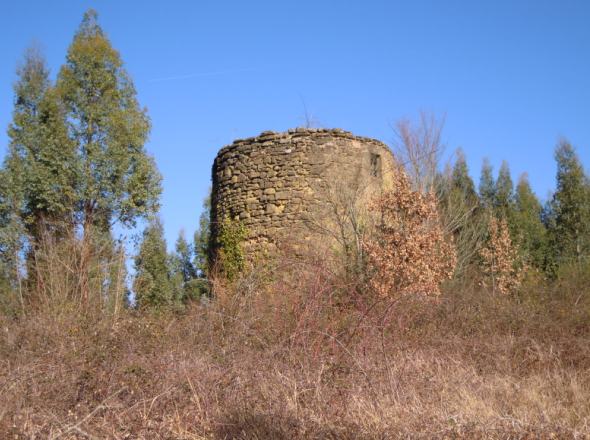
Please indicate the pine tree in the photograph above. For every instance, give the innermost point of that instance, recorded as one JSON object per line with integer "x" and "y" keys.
{"x": 118, "y": 180}
{"x": 529, "y": 227}
{"x": 569, "y": 216}
{"x": 487, "y": 186}
{"x": 153, "y": 285}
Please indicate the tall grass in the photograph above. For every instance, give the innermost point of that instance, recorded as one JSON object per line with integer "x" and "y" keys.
{"x": 297, "y": 351}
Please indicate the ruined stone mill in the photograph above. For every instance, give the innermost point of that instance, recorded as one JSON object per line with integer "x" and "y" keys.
{"x": 286, "y": 187}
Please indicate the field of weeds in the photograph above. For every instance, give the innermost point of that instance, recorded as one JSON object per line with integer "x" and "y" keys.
{"x": 305, "y": 357}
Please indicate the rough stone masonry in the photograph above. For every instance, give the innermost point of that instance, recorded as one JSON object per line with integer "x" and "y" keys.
{"x": 285, "y": 187}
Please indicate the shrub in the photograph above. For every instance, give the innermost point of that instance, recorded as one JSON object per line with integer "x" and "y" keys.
{"x": 409, "y": 252}
{"x": 502, "y": 269}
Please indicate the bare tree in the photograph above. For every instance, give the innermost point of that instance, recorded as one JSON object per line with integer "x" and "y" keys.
{"x": 309, "y": 120}
{"x": 419, "y": 147}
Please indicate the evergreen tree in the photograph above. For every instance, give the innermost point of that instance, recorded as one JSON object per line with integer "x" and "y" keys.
{"x": 529, "y": 227}
{"x": 11, "y": 242}
{"x": 184, "y": 271}
{"x": 38, "y": 171}
{"x": 461, "y": 181}
{"x": 185, "y": 257}
{"x": 460, "y": 212}
{"x": 118, "y": 180}
{"x": 41, "y": 162}
{"x": 569, "y": 216}
{"x": 504, "y": 195}
{"x": 487, "y": 186}
{"x": 153, "y": 284}
{"x": 202, "y": 239}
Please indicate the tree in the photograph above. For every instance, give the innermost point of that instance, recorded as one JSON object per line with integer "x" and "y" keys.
{"x": 41, "y": 161}
{"x": 504, "y": 194}
{"x": 39, "y": 171}
{"x": 11, "y": 243}
{"x": 487, "y": 186}
{"x": 419, "y": 148}
{"x": 184, "y": 272}
{"x": 185, "y": 258}
{"x": 569, "y": 216}
{"x": 529, "y": 227}
{"x": 153, "y": 286}
{"x": 76, "y": 162}
{"x": 118, "y": 180}
{"x": 460, "y": 212}
{"x": 202, "y": 238}
{"x": 461, "y": 181}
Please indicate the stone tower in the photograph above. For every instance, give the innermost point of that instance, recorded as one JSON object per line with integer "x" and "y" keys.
{"x": 284, "y": 187}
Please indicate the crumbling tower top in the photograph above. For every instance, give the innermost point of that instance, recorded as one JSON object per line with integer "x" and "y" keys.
{"x": 281, "y": 185}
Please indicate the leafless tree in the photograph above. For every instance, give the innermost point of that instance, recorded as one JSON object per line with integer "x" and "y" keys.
{"x": 418, "y": 146}
{"x": 309, "y": 120}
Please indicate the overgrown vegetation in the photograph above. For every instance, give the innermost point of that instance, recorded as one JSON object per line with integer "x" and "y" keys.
{"x": 293, "y": 361}
{"x": 230, "y": 258}
{"x": 452, "y": 312}
{"x": 409, "y": 252}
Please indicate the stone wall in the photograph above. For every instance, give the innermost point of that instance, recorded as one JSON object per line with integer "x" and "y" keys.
{"x": 283, "y": 186}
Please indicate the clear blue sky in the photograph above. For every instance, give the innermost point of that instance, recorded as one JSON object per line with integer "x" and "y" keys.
{"x": 511, "y": 76}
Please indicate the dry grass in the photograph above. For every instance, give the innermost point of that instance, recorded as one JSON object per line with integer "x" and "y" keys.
{"x": 305, "y": 356}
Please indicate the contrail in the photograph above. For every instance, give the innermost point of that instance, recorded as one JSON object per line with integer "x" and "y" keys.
{"x": 200, "y": 75}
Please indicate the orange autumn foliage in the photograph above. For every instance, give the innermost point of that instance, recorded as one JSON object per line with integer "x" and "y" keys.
{"x": 502, "y": 270}
{"x": 409, "y": 252}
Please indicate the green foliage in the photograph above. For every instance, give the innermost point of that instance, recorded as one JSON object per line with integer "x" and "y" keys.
{"x": 487, "y": 186}
{"x": 461, "y": 181}
{"x": 504, "y": 195}
{"x": 184, "y": 256}
{"x": 183, "y": 270}
{"x": 41, "y": 162}
{"x": 11, "y": 245}
{"x": 153, "y": 284}
{"x": 460, "y": 213}
{"x": 531, "y": 233}
{"x": 203, "y": 238}
{"x": 76, "y": 161}
{"x": 230, "y": 253}
{"x": 11, "y": 235}
{"x": 568, "y": 217}
{"x": 118, "y": 180}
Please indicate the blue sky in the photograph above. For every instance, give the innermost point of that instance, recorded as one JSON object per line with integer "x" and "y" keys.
{"x": 511, "y": 76}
